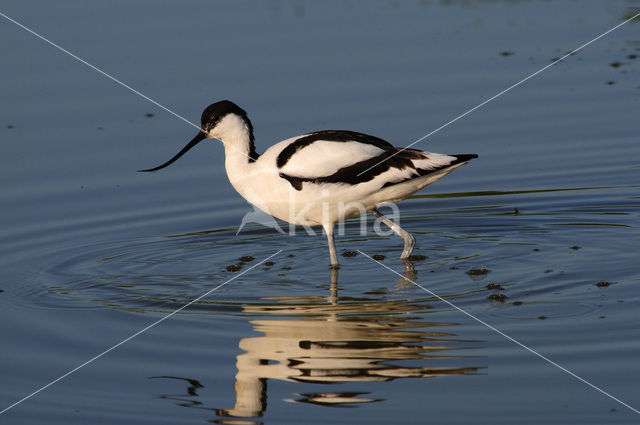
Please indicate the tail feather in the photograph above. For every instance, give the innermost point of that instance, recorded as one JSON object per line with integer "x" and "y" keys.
{"x": 459, "y": 159}
{"x": 464, "y": 157}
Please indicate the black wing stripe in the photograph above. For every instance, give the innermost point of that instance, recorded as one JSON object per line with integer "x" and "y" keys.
{"x": 423, "y": 172}
{"x": 360, "y": 172}
{"x": 367, "y": 170}
{"x": 331, "y": 136}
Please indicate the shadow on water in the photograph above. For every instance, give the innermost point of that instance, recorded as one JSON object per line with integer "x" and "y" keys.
{"x": 332, "y": 340}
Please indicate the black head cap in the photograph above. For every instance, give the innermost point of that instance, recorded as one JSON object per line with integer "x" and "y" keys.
{"x": 213, "y": 113}
{"x": 210, "y": 118}
{"x": 216, "y": 111}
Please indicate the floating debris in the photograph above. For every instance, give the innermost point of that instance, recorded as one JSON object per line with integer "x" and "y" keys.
{"x": 494, "y": 286}
{"x": 505, "y": 53}
{"x": 246, "y": 258}
{"x": 497, "y": 297}
{"x": 576, "y": 247}
{"x": 269, "y": 263}
{"x": 349, "y": 254}
{"x": 603, "y": 284}
{"x": 378, "y": 257}
{"x": 615, "y": 64}
{"x": 149, "y": 115}
{"x": 478, "y": 272}
{"x": 234, "y": 268}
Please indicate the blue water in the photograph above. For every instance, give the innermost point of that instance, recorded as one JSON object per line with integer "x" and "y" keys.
{"x": 538, "y": 237}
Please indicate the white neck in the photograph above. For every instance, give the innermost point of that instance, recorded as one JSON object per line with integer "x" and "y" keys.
{"x": 236, "y": 135}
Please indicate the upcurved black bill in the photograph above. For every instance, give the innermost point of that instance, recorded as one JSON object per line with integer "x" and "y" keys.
{"x": 200, "y": 137}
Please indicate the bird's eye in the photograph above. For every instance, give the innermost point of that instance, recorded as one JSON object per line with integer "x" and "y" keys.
{"x": 210, "y": 125}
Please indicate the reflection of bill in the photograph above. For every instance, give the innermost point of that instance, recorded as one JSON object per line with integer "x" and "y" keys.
{"x": 336, "y": 343}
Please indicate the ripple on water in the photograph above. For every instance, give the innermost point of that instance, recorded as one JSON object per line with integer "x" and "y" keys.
{"x": 159, "y": 274}
{"x": 542, "y": 309}
{"x": 162, "y": 274}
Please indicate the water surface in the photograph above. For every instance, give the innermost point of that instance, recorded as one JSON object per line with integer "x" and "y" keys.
{"x": 538, "y": 237}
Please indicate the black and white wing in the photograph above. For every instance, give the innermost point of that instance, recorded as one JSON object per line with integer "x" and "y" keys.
{"x": 351, "y": 158}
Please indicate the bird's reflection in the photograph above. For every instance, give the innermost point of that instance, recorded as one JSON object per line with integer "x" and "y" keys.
{"x": 331, "y": 340}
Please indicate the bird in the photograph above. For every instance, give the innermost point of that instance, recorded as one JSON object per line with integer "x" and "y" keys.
{"x": 322, "y": 177}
